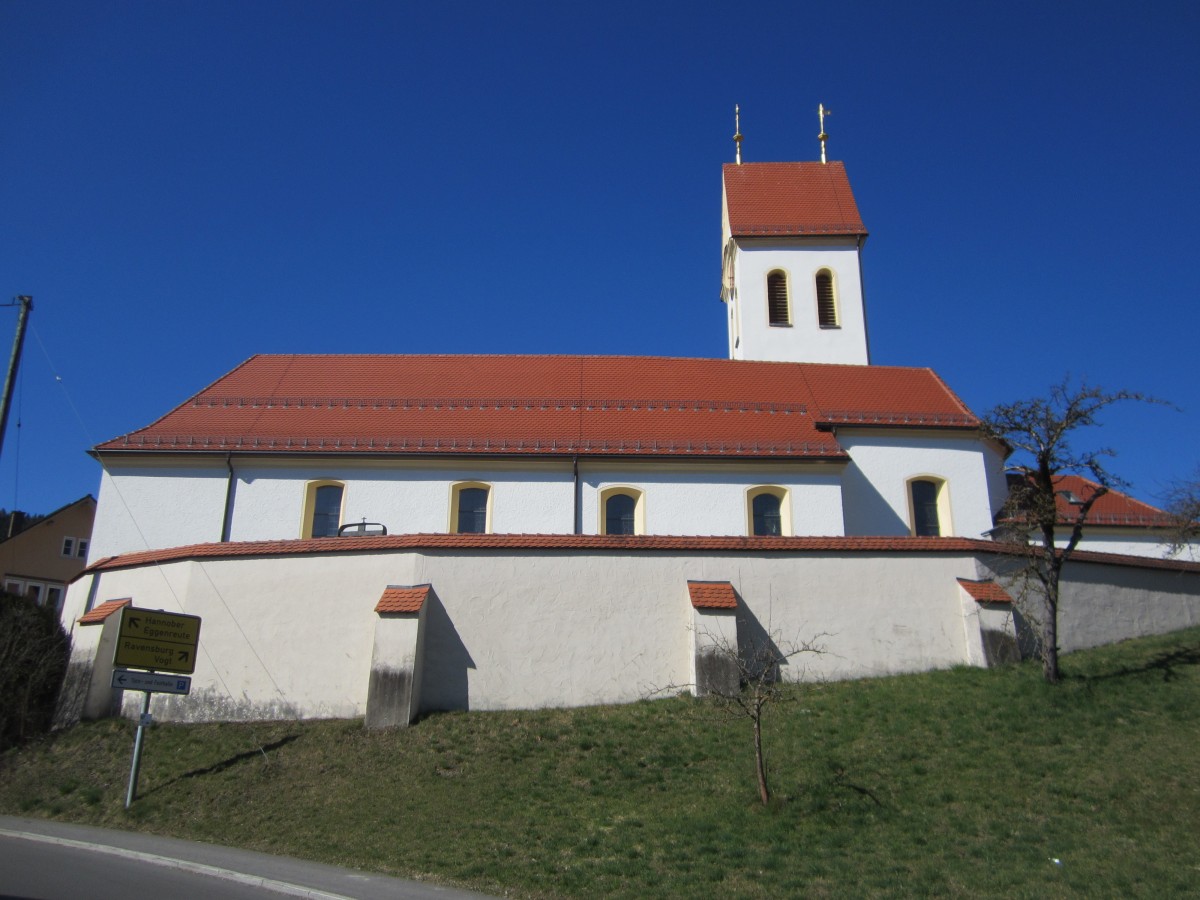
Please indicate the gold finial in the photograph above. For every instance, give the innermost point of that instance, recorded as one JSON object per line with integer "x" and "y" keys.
{"x": 822, "y": 112}
{"x": 737, "y": 133}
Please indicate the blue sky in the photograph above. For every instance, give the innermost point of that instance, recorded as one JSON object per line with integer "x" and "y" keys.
{"x": 185, "y": 184}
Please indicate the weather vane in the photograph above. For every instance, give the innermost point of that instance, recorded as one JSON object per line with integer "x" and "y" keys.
{"x": 737, "y": 133}
{"x": 822, "y": 112}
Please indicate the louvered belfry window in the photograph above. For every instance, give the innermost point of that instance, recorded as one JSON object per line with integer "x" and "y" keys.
{"x": 777, "y": 299}
{"x": 826, "y": 300}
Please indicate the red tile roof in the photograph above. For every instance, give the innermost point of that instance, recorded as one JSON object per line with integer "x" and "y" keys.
{"x": 99, "y": 613}
{"x": 543, "y": 405}
{"x": 712, "y": 595}
{"x": 1113, "y": 508}
{"x": 985, "y": 591}
{"x": 397, "y": 599}
{"x": 790, "y": 198}
{"x": 592, "y": 543}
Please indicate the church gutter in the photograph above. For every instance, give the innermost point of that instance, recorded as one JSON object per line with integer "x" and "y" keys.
{"x": 227, "y": 515}
{"x": 645, "y": 453}
{"x": 578, "y": 495}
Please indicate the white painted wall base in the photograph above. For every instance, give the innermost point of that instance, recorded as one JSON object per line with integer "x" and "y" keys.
{"x": 509, "y": 626}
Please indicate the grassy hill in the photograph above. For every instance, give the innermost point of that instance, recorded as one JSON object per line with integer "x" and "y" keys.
{"x": 955, "y": 783}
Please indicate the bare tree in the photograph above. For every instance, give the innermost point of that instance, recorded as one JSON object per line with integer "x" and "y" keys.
{"x": 753, "y": 682}
{"x": 1183, "y": 504}
{"x": 1040, "y": 432}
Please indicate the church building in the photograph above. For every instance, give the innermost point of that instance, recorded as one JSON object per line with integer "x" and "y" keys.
{"x": 386, "y": 535}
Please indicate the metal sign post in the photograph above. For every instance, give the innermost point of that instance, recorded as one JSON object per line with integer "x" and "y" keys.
{"x": 137, "y": 751}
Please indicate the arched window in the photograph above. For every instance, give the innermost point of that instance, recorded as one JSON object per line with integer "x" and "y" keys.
{"x": 767, "y": 512}
{"x": 322, "y": 509}
{"x": 929, "y": 502}
{"x": 827, "y": 310}
{"x": 470, "y": 508}
{"x": 621, "y": 511}
{"x": 779, "y": 310}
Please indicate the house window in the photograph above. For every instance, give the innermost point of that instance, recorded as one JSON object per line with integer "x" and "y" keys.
{"x": 470, "y": 508}
{"x": 767, "y": 511}
{"x": 929, "y": 501}
{"x": 621, "y": 511}
{"x": 322, "y": 509}
{"x": 68, "y": 547}
{"x": 827, "y": 310}
{"x": 81, "y": 547}
{"x": 54, "y": 597}
{"x": 779, "y": 310}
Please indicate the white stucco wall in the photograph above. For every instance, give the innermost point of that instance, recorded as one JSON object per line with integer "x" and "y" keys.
{"x": 295, "y": 636}
{"x": 289, "y": 636}
{"x": 1101, "y": 603}
{"x": 711, "y": 500}
{"x": 1129, "y": 542}
{"x": 144, "y": 506}
{"x": 153, "y": 507}
{"x": 408, "y": 498}
{"x": 875, "y": 485}
{"x": 280, "y": 638}
{"x": 804, "y": 340}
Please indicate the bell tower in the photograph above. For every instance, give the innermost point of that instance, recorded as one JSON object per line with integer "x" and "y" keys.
{"x": 791, "y": 268}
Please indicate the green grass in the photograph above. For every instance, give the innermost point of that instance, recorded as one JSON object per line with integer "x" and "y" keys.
{"x": 960, "y": 783}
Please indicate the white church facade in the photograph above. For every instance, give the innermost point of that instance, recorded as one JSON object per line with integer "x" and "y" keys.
{"x": 401, "y": 534}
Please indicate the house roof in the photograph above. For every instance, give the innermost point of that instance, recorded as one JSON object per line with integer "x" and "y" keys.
{"x": 48, "y": 520}
{"x": 790, "y": 198}
{"x": 1113, "y": 509}
{"x": 544, "y": 405}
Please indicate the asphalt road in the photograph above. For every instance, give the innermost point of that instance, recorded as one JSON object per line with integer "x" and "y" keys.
{"x": 41, "y": 860}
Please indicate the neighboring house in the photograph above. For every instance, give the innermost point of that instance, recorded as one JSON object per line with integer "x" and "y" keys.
{"x": 41, "y": 560}
{"x": 559, "y": 526}
{"x": 1116, "y": 522}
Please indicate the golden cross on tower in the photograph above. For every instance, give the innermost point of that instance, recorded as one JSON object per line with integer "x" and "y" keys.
{"x": 737, "y": 133}
{"x": 822, "y": 112}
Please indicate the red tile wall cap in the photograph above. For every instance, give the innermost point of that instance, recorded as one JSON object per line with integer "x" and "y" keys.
{"x": 712, "y": 595}
{"x": 99, "y": 613}
{"x": 398, "y": 599}
{"x": 986, "y": 591}
{"x": 597, "y": 543}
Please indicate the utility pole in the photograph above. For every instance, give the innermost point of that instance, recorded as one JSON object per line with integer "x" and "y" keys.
{"x": 26, "y": 304}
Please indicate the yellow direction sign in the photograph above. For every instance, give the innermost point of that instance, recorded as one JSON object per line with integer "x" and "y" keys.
{"x": 150, "y": 639}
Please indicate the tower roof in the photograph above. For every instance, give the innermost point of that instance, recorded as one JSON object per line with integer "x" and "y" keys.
{"x": 790, "y": 198}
